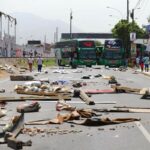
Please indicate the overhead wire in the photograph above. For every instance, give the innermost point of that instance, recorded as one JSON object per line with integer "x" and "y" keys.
{"x": 143, "y": 6}
{"x": 137, "y": 4}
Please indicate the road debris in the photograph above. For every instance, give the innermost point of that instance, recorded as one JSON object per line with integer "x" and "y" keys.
{"x": 112, "y": 80}
{"x": 28, "y": 107}
{"x": 80, "y": 93}
{"x": 62, "y": 105}
{"x": 21, "y": 78}
{"x": 2, "y": 113}
{"x": 124, "y": 89}
{"x": 49, "y": 131}
{"x": 103, "y": 121}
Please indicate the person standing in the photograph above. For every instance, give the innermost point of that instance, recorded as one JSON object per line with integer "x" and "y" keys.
{"x": 141, "y": 64}
{"x": 58, "y": 57}
{"x": 146, "y": 63}
{"x": 30, "y": 63}
{"x": 39, "y": 63}
{"x": 137, "y": 62}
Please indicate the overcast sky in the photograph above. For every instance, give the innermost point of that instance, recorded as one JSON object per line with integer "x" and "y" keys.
{"x": 88, "y": 15}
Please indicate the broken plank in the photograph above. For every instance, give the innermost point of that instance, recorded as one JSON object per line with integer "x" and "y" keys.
{"x": 21, "y": 78}
{"x": 123, "y": 89}
{"x": 79, "y": 102}
{"x": 123, "y": 110}
{"x": 131, "y": 107}
{"x": 42, "y": 93}
{"x": 85, "y": 98}
{"x": 97, "y": 91}
{"x": 2, "y": 99}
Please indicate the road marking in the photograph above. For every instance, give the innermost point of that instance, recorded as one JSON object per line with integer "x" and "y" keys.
{"x": 4, "y": 80}
{"x": 143, "y": 130}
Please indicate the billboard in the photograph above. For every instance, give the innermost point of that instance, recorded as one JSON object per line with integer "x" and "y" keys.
{"x": 34, "y": 42}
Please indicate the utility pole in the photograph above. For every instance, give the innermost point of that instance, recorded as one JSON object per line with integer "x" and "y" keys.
{"x": 1, "y": 25}
{"x": 15, "y": 31}
{"x": 71, "y": 24}
{"x": 128, "y": 10}
{"x": 56, "y": 34}
{"x": 54, "y": 37}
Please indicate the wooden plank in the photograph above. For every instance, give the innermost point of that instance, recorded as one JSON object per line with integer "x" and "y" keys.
{"x": 131, "y": 107}
{"x": 85, "y": 98}
{"x": 52, "y": 98}
{"x": 123, "y": 89}
{"x": 97, "y": 91}
{"x": 123, "y": 110}
{"x": 42, "y": 93}
{"x": 21, "y": 78}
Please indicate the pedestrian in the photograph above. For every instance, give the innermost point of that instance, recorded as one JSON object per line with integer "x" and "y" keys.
{"x": 39, "y": 63}
{"x": 137, "y": 62}
{"x": 35, "y": 53}
{"x": 58, "y": 57}
{"x": 146, "y": 62}
{"x": 126, "y": 63}
{"x": 30, "y": 63}
{"x": 141, "y": 64}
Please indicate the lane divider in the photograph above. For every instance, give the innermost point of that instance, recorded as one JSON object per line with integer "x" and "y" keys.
{"x": 143, "y": 130}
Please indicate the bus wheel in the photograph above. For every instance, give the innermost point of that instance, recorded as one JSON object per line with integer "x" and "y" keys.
{"x": 73, "y": 66}
{"x": 89, "y": 66}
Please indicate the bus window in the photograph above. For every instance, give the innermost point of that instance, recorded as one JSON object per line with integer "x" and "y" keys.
{"x": 86, "y": 54}
{"x": 86, "y": 44}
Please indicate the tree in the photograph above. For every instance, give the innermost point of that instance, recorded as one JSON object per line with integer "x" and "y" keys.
{"x": 122, "y": 31}
{"x": 98, "y": 43}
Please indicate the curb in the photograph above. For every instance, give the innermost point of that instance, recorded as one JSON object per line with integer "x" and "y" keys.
{"x": 146, "y": 74}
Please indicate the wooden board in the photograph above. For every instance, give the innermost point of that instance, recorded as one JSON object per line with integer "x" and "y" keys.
{"x": 40, "y": 98}
{"x": 97, "y": 91}
{"x": 42, "y": 93}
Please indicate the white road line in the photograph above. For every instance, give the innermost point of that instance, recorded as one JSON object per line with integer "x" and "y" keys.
{"x": 1, "y": 81}
{"x": 143, "y": 130}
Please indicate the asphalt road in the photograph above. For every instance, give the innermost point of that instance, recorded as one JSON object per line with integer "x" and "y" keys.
{"x": 135, "y": 135}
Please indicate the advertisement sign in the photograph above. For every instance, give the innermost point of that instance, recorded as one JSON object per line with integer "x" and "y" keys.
{"x": 113, "y": 44}
{"x": 132, "y": 36}
{"x": 133, "y": 50}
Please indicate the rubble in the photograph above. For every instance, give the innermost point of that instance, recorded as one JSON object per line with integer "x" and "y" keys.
{"x": 61, "y": 90}
{"x": 37, "y": 88}
{"x": 103, "y": 121}
{"x": 28, "y": 107}
{"x": 49, "y": 131}
{"x": 2, "y": 113}
{"x": 21, "y": 78}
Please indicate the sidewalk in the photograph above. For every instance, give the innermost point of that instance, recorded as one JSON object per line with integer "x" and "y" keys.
{"x": 145, "y": 73}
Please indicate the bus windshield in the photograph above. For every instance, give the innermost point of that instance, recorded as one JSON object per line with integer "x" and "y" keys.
{"x": 86, "y": 54}
{"x": 86, "y": 44}
{"x": 112, "y": 55}
{"x": 66, "y": 52}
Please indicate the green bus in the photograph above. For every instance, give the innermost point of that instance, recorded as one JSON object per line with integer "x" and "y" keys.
{"x": 76, "y": 52}
{"x": 113, "y": 54}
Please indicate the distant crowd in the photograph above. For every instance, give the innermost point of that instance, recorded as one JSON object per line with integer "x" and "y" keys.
{"x": 143, "y": 63}
{"x": 39, "y": 62}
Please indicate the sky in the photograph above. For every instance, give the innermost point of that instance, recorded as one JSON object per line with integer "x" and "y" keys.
{"x": 88, "y": 15}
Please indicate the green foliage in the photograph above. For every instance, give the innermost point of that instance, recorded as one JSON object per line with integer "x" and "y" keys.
{"x": 98, "y": 43}
{"x": 123, "y": 29}
{"x": 49, "y": 62}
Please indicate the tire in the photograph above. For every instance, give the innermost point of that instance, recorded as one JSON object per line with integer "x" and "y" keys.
{"x": 73, "y": 66}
